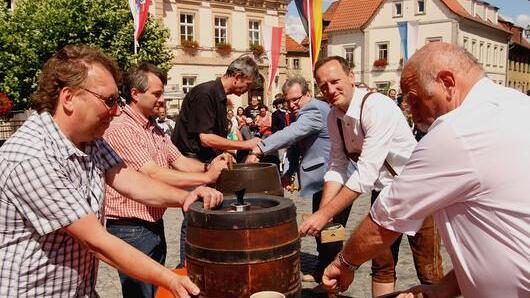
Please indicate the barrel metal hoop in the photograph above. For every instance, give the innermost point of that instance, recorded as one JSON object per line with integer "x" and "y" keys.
{"x": 242, "y": 256}
{"x": 283, "y": 212}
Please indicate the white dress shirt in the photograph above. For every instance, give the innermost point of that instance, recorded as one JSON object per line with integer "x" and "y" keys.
{"x": 472, "y": 172}
{"x": 388, "y": 136}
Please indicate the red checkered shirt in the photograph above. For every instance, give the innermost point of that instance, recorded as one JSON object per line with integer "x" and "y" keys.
{"x": 137, "y": 141}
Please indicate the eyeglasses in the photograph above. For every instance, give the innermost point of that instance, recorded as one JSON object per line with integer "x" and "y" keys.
{"x": 111, "y": 102}
{"x": 294, "y": 99}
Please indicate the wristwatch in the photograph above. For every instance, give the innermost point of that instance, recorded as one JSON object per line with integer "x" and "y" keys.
{"x": 347, "y": 264}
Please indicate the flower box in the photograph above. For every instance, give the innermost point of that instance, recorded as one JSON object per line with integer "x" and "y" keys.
{"x": 257, "y": 50}
{"x": 380, "y": 63}
{"x": 223, "y": 49}
{"x": 191, "y": 47}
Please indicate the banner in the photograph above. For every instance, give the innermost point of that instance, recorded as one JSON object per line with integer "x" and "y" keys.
{"x": 272, "y": 40}
{"x": 310, "y": 12}
{"x": 139, "y": 11}
{"x": 408, "y": 32}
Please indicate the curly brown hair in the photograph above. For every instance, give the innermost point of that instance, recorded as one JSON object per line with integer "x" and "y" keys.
{"x": 69, "y": 68}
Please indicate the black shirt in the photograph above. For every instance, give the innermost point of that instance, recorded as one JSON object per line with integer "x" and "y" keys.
{"x": 203, "y": 111}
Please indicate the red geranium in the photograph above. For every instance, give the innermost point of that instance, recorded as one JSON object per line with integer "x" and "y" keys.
{"x": 5, "y": 104}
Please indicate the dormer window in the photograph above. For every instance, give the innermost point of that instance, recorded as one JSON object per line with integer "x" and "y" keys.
{"x": 398, "y": 9}
{"x": 420, "y": 7}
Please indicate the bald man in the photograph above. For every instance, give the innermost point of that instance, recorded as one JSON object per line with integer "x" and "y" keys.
{"x": 470, "y": 171}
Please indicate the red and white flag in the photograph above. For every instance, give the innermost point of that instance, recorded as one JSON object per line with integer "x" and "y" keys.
{"x": 139, "y": 10}
{"x": 272, "y": 41}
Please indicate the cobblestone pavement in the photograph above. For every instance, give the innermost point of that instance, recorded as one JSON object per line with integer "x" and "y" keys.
{"x": 108, "y": 284}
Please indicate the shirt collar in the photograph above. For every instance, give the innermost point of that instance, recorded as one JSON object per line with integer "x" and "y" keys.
{"x": 58, "y": 141}
{"x": 137, "y": 117}
{"x": 220, "y": 90}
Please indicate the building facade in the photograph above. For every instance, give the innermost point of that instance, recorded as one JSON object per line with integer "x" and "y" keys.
{"x": 207, "y": 35}
{"x": 518, "y": 76}
{"x": 297, "y": 60}
{"x": 366, "y": 32}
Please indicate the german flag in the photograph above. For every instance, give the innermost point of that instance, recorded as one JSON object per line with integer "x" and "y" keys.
{"x": 310, "y": 12}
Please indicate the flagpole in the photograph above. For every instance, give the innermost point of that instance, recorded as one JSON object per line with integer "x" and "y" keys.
{"x": 309, "y": 20}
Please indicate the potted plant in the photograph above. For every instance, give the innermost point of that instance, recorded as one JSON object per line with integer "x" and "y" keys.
{"x": 257, "y": 50}
{"x": 190, "y": 46}
{"x": 223, "y": 49}
{"x": 380, "y": 63}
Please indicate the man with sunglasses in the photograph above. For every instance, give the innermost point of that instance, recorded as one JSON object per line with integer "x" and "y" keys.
{"x": 144, "y": 147}
{"x": 308, "y": 154}
{"x": 52, "y": 175}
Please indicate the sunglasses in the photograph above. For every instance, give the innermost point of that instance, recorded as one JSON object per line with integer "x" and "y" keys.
{"x": 111, "y": 102}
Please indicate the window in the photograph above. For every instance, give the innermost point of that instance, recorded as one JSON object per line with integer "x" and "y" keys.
{"x": 501, "y": 57}
{"x": 432, "y": 39}
{"x": 398, "y": 9}
{"x": 253, "y": 33}
{"x": 186, "y": 27}
{"x": 220, "y": 30}
{"x": 187, "y": 84}
{"x": 480, "y": 53}
{"x": 382, "y": 87}
{"x": 348, "y": 55}
{"x": 420, "y": 7}
{"x": 465, "y": 44}
{"x": 382, "y": 51}
{"x": 474, "y": 48}
{"x": 495, "y": 57}
{"x": 296, "y": 63}
{"x": 488, "y": 54}
{"x": 287, "y": 62}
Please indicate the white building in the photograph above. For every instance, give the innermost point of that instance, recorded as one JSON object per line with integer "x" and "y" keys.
{"x": 367, "y": 30}
{"x": 238, "y": 23}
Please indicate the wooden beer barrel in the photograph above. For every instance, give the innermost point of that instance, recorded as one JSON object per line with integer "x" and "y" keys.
{"x": 255, "y": 178}
{"x": 235, "y": 254}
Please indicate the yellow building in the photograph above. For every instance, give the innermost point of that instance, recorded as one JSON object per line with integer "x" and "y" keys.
{"x": 518, "y": 76}
{"x": 197, "y": 28}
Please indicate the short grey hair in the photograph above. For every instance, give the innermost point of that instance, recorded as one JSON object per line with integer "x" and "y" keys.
{"x": 244, "y": 65}
{"x": 291, "y": 81}
{"x": 433, "y": 57}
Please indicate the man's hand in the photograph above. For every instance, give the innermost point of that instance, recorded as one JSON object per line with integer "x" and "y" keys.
{"x": 429, "y": 291}
{"x": 336, "y": 278}
{"x": 217, "y": 165}
{"x": 249, "y": 144}
{"x": 210, "y": 197}
{"x": 313, "y": 224}
{"x": 181, "y": 285}
{"x": 252, "y": 158}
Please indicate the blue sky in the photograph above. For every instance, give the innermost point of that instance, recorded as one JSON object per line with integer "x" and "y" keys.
{"x": 515, "y": 11}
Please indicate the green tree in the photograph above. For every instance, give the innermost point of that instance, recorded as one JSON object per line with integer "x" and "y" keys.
{"x": 37, "y": 28}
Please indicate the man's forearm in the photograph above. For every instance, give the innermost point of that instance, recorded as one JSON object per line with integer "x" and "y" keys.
{"x": 187, "y": 164}
{"x": 143, "y": 189}
{"x": 330, "y": 190}
{"x": 177, "y": 178}
{"x": 117, "y": 253}
{"x": 367, "y": 241}
{"x": 220, "y": 143}
{"x": 341, "y": 201}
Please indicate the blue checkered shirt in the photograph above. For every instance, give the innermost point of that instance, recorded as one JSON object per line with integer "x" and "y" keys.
{"x": 46, "y": 183}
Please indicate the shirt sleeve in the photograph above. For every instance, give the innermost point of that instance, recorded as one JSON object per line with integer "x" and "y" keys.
{"x": 107, "y": 157}
{"x": 44, "y": 193}
{"x": 380, "y": 120}
{"x": 309, "y": 122}
{"x": 129, "y": 145}
{"x": 338, "y": 164}
{"x": 439, "y": 173}
{"x": 173, "y": 154}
